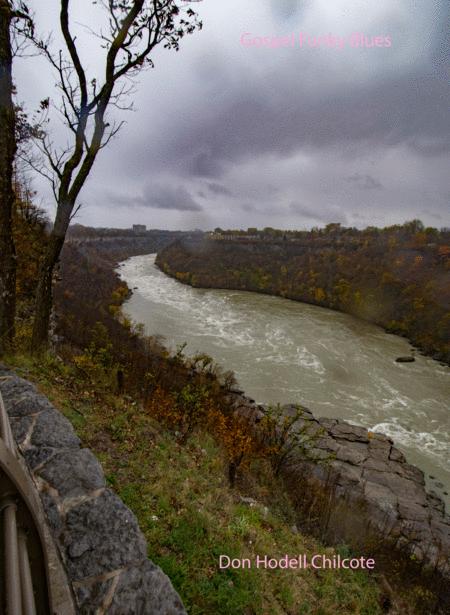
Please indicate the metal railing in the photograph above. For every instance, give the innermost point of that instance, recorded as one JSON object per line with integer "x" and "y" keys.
{"x": 24, "y": 587}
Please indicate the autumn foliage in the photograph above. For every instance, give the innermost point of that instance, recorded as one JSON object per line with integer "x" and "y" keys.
{"x": 239, "y": 442}
{"x": 397, "y": 277}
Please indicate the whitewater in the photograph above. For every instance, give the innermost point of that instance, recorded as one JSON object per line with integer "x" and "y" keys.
{"x": 285, "y": 351}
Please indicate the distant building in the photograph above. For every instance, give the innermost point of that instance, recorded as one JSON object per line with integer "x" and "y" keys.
{"x": 139, "y": 228}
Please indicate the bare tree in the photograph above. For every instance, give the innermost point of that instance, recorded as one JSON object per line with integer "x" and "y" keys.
{"x": 8, "y": 16}
{"x": 134, "y": 29}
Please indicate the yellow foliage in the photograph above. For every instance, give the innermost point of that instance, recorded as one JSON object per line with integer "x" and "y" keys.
{"x": 233, "y": 433}
{"x": 163, "y": 407}
{"x": 319, "y": 295}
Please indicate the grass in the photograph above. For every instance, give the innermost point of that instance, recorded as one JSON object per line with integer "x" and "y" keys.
{"x": 189, "y": 515}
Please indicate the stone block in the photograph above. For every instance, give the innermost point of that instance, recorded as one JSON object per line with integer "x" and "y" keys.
{"x": 54, "y": 430}
{"x": 73, "y": 473}
{"x": 101, "y": 535}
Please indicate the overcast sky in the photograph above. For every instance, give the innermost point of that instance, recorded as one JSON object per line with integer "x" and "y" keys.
{"x": 225, "y": 134}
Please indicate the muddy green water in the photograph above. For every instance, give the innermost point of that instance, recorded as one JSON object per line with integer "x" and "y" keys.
{"x": 285, "y": 351}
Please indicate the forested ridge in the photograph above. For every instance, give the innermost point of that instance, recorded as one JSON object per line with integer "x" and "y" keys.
{"x": 397, "y": 277}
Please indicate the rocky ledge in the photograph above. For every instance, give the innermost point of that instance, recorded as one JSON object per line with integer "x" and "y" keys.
{"x": 365, "y": 494}
{"x": 101, "y": 546}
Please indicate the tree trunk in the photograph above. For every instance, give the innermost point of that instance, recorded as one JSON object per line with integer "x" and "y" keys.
{"x": 7, "y": 153}
{"x": 232, "y": 474}
{"x": 44, "y": 294}
{"x": 233, "y": 467}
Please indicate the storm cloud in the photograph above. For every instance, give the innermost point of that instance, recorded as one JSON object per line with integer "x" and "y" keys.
{"x": 366, "y": 182}
{"x": 322, "y": 214}
{"x": 219, "y": 189}
{"x": 159, "y": 197}
{"x": 290, "y": 136}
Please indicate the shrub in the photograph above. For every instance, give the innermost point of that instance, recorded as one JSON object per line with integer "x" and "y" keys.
{"x": 233, "y": 433}
{"x": 97, "y": 362}
{"x": 287, "y": 434}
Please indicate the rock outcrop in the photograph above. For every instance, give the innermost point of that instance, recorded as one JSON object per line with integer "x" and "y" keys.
{"x": 365, "y": 494}
{"x": 98, "y": 537}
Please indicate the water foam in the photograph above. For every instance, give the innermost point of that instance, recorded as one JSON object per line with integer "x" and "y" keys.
{"x": 435, "y": 444}
{"x": 284, "y": 351}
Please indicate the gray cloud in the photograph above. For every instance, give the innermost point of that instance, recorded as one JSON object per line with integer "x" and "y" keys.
{"x": 167, "y": 197}
{"x": 323, "y": 214}
{"x": 359, "y": 135}
{"x": 286, "y": 9}
{"x": 366, "y": 182}
{"x": 219, "y": 189}
{"x": 159, "y": 197}
{"x": 202, "y": 164}
{"x": 259, "y": 122}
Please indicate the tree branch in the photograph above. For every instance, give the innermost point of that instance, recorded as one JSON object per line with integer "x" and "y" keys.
{"x": 64, "y": 20}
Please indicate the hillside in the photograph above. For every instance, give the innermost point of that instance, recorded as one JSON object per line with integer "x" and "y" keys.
{"x": 398, "y": 277}
{"x": 177, "y": 452}
{"x": 127, "y": 398}
{"x": 190, "y": 516}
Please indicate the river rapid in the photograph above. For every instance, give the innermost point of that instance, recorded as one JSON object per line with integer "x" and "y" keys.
{"x": 285, "y": 351}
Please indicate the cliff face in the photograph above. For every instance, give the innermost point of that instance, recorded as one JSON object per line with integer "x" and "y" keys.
{"x": 391, "y": 280}
{"x": 366, "y": 495}
{"x": 120, "y": 247}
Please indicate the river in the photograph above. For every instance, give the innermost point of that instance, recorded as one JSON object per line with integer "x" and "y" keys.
{"x": 286, "y": 351}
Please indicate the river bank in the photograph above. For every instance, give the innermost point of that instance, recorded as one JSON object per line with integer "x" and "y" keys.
{"x": 366, "y": 495}
{"x": 369, "y": 496}
{"x": 385, "y": 277}
{"x": 284, "y": 351}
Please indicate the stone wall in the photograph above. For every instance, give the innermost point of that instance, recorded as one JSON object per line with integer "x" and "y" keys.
{"x": 101, "y": 546}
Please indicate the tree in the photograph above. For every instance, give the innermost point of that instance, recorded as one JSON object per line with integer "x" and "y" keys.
{"x": 7, "y": 153}
{"x": 8, "y": 16}
{"x": 235, "y": 435}
{"x": 287, "y": 434}
{"x": 135, "y": 28}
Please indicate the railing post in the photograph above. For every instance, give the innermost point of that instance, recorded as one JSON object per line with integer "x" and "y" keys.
{"x": 28, "y": 603}
{"x": 11, "y": 564}
{"x": 23, "y": 549}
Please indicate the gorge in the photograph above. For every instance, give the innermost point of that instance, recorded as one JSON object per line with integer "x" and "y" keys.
{"x": 283, "y": 351}
{"x": 370, "y": 497}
